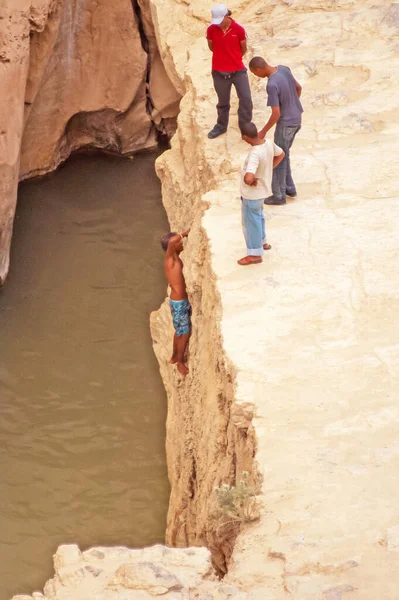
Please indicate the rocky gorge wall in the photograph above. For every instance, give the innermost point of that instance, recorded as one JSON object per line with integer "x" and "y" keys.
{"x": 293, "y": 363}
{"x": 312, "y": 359}
{"x": 75, "y": 74}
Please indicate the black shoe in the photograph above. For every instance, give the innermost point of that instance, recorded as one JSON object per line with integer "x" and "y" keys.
{"x": 216, "y": 131}
{"x": 271, "y": 200}
{"x": 290, "y": 194}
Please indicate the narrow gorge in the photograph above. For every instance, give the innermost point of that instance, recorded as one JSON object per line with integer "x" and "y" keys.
{"x": 76, "y": 74}
{"x": 294, "y": 365}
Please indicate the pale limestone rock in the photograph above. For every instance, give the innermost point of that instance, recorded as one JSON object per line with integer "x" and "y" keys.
{"x": 242, "y": 415}
{"x": 310, "y": 67}
{"x": 359, "y": 122}
{"x": 146, "y": 576}
{"x": 393, "y": 539}
{"x": 70, "y": 577}
{"x": 67, "y": 555}
{"x": 336, "y": 593}
{"x": 157, "y": 571}
{"x": 309, "y": 337}
{"x": 221, "y": 592}
{"x": 336, "y": 98}
{"x": 95, "y": 571}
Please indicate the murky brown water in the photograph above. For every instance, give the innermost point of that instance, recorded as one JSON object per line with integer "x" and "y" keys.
{"x": 82, "y": 406}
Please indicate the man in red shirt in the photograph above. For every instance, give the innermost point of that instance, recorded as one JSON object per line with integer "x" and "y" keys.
{"x": 227, "y": 41}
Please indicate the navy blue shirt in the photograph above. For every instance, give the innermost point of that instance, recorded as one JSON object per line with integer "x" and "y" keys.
{"x": 281, "y": 91}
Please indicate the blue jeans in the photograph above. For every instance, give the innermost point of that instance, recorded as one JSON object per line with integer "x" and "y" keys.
{"x": 282, "y": 181}
{"x": 253, "y": 226}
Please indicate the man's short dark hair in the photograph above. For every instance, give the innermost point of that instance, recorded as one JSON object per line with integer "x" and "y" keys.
{"x": 250, "y": 130}
{"x": 257, "y": 62}
{"x": 165, "y": 239}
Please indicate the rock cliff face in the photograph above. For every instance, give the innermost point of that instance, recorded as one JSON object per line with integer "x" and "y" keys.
{"x": 305, "y": 343}
{"x": 76, "y": 74}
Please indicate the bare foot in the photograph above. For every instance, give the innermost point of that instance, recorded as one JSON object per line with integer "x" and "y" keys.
{"x": 249, "y": 260}
{"x": 266, "y": 246}
{"x": 173, "y": 360}
{"x": 182, "y": 368}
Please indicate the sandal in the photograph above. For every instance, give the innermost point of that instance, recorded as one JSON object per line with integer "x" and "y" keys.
{"x": 249, "y": 260}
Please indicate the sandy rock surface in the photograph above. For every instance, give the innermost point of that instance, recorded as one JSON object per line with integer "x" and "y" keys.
{"x": 124, "y": 574}
{"x": 310, "y": 337}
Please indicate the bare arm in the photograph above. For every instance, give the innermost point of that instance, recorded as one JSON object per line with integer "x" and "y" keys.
{"x": 243, "y": 45}
{"x": 250, "y": 179}
{"x": 298, "y": 89}
{"x": 210, "y": 45}
{"x": 274, "y": 117}
{"x": 277, "y": 159}
{"x": 173, "y": 243}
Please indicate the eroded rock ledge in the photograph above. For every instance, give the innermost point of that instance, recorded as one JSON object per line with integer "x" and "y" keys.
{"x": 306, "y": 344}
{"x": 110, "y": 573}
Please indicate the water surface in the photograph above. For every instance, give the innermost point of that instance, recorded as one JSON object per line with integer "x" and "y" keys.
{"x": 83, "y": 409}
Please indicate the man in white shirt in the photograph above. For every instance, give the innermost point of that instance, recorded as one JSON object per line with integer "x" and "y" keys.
{"x": 256, "y": 182}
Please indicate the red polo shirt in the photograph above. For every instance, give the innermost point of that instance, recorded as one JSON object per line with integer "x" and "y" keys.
{"x": 227, "y": 55}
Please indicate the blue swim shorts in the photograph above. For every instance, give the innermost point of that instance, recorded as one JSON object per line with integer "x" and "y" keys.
{"x": 181, "y": 316}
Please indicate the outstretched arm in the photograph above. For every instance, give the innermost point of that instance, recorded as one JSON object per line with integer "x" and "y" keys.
{"x": 172, "y": 245}
{"x": 175, "y": 241}
{"x": 274, "y": 117}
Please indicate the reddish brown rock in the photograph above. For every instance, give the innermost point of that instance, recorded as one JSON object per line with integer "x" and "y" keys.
{"x": 75, "y": 74}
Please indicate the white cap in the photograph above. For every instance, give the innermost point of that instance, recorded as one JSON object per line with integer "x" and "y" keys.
{"x": 219, "y": 11}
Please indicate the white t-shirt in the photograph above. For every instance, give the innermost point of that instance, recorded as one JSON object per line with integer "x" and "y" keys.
{"x": 259, "y": 162}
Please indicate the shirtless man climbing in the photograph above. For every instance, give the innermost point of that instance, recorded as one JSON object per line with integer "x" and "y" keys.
{"x": 180, "y": 306}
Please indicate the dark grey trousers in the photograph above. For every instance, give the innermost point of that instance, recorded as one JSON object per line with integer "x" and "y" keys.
{"x": 223, "y": 83}
{"x": 282, "y": 181}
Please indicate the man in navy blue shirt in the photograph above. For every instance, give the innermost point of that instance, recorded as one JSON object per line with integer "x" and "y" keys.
{"x": 283, "y": 93}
